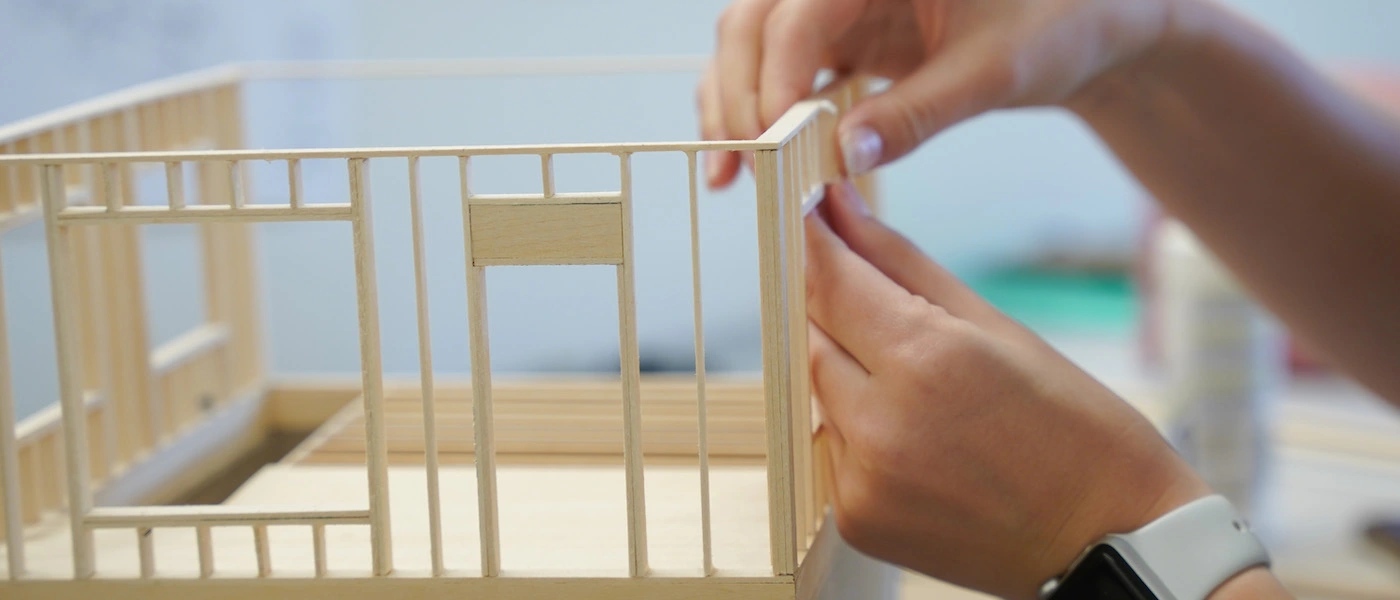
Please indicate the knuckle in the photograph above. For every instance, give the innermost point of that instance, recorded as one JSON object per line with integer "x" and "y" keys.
{"x": 859, "y": 511}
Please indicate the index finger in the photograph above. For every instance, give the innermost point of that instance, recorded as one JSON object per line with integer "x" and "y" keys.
{"x": 861, "y": 309}
{"x": 796, "y": 44}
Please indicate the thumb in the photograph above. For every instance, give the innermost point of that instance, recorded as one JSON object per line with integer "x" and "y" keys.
{"x": 957, "y": 84}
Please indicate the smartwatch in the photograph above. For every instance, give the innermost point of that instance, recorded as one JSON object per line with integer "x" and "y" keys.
{"x": 1183, "y": 555}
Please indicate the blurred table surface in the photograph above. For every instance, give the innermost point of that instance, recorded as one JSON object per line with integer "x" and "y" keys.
{"x": 1335, "y": 467}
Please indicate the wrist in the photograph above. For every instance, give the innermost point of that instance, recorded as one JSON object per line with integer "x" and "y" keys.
{"x": 1135, "y": 489}
{"x": 1255, "y": 583}
{"x": 1186, "y": 26}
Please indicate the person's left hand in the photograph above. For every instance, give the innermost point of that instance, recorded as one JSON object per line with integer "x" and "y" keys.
{"x": 963, "y": 446}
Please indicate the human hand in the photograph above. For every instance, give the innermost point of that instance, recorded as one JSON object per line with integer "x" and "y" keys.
{"x": 949, "y": 60}
{"x": 963, "y": 446}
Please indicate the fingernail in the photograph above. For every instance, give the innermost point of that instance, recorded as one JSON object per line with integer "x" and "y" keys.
{"x": 854, "y": 199}
{"x": 860, "y": 148}
{"x": 711, "y": 166}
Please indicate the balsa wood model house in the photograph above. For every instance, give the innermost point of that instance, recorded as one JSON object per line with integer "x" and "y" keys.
{"x": 412, "y": 489}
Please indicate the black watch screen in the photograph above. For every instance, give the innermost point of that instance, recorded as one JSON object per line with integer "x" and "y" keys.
{"x": 1102, "y": 575}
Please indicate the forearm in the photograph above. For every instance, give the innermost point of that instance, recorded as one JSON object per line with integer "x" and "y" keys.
{"x": 1291, "y": 181}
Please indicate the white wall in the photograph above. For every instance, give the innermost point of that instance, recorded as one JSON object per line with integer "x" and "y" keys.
{"x": 986, "y": 192}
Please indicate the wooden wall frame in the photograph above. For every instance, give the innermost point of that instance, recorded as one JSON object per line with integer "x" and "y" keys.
{"x": 125, "y": 406}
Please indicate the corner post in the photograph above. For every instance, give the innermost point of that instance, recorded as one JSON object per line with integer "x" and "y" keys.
{"x": 777, "y": 364}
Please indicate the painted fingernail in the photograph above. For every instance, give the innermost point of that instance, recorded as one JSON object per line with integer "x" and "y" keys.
{"x": 860, "y": 148}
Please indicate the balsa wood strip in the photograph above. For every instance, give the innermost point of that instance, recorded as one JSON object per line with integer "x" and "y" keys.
{"x": 702, "y": 413}
{"x": 483, "y": 440}
{"x": 236, "y": 191}
{"x": 371, "y": 367}
{"x": 147, "y": 552}
{"x": 215, "y": 515}
{"x": 809, "y": 181}
{"x": 9, "y": 455}
{"x": 425, "y": 367}
{"x": 204, "y": 540}
{"x": 264, "y": 555}
{"x": 174, "y": 186}
{"x": 794, "y": 175}
{"x": 294, "y": 192}
{"x": 556, "y": 198}
{"x": 630, "y": 360}
{"x": 547, "y": 174}
{"x": 109, "y": 185}
{"x": 777, "y": 376}
{"x": 140, "y": 215}
{"x": 63, "y": 285}
{"x": 318, "y": 548}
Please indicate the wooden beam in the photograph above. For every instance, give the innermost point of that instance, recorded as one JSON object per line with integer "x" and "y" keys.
{"x": 630, "y": 361}
{"x": 425, "y": 367}
{"x": 777, "y": 373}
{"x": 9, "y": 452}
{"x": 216, "y": 515}
{"x": 483, "y": 442}
{"x": 70, "y": 375}
{"x": 371, "y": 367}
{"x": 702, "y": 416}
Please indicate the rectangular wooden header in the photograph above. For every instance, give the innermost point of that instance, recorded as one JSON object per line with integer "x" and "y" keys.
{"x": 546, "y": 234}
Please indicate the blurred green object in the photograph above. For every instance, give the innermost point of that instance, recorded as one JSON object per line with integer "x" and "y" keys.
{"x": 1097, "y": 303}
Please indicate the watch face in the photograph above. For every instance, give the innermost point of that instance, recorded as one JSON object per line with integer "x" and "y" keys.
{"x": 1103, "y": 575}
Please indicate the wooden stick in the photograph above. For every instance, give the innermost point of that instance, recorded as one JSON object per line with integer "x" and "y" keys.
{"x": 260, "y": 547}
{"x": 98, "y": 362}
{"x": 371, "y": 367}
{"x": 174, "y": 185}
{"x": 797, "y": 327}
{"x": 9, "y": 453}
{"x": 111, "y": 198}
{"x": 318, "y": 544}
{"x": 235, "y": 182}
{"x": 206, "y": 551}
{"x": 139, "y": 215}
{"x": 11, "y": 192}
{"x": 547, "y": 175}
{"x": 425, "y": 367}
{"x": 809, "y": 179}
{"x": 294, "y": 195}
{"x": 147, "y": 551}
{"x": 210, "y": 515}
{"x": 631, "y": 386}
{"x": 69, "y": 372}
{"x": 702, "y": 419}
{"x": 777, "y": 376}
{"x": 483, "y": 442}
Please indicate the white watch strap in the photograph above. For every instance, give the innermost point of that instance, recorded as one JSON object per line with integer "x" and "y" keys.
{"x": 1192, "y": 550}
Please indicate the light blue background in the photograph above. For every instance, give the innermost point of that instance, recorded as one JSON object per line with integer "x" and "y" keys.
{"x": 989, "y": 192}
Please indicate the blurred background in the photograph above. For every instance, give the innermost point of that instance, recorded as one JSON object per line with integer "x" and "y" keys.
{"x": 1028, "y": 206}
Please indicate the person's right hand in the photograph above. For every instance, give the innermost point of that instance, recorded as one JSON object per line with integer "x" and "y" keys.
{"x": 949, "y": 60}
{"x": 962, "y": 445}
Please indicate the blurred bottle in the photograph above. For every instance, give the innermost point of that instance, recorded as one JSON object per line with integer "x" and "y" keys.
{"x": 1223, "y": 360}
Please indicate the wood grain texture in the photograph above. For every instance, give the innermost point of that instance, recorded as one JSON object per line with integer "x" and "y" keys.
{"x": 13, "y": 522}
{"x": 630, "y": 361}
{"x": 425, "y": 364}
{"x": 576, "y": 419}
{"x": 61, "y": 278}
{"x": 542, "y": 234}
{"x": 483, "y": 427}
{"x": 371, "y": 366}
{"x": 702, "y": 412}
{"x": 777, "y": 353}
{"x": 499, "y": 588}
